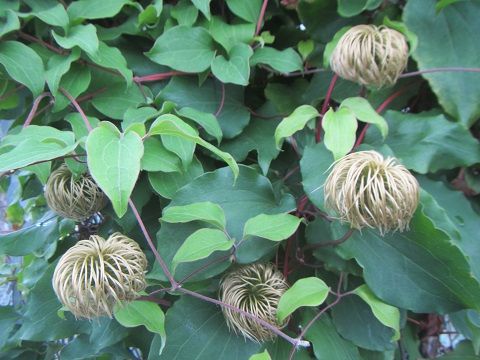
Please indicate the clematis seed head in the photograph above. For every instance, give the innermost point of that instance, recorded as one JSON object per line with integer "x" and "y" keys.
{"x": 367, "y": 190}
{"x": 256, "y": 289}
{"x": 72, "y": 198}
{"x": 95, "y": 274}
{"x": 370, "y": 55}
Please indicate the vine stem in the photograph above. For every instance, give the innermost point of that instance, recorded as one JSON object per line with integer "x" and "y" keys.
{"x": 33, "y": 111}
{"x": 222, "y": 100}
{"x": 261, "y": 16}
{"x": 295, "y": 342}
{"x": 321, "y": 312}
{"x": 158, "y": 257}
{"x": 157, "y": 77}
{"x": 344, "y": 238}
{"x": 326, "y": 102}
{"x": 440, "y": 69}
{"x": 77, "y": 107}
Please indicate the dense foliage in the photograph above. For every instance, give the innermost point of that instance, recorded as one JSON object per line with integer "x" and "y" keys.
{"x": 211, "y": 127}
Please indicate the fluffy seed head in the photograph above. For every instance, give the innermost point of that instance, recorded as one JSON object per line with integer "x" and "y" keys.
{"x": 95, "y": 274}
{"x": 367, "y": 190}
{"x": 72, "y": 198}
{"x": 254, "y": 288}
{"x": 370, "y": 55}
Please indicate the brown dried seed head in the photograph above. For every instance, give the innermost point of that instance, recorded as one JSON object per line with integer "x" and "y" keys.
{"x": 95, "y": 274}
{"x": 367, "y": 190}
{"x": 256, "y": 289}
{"x": 72, "y": 198}
{"x": 370, "y": 55}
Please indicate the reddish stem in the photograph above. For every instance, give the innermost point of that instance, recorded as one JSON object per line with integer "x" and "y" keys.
{"x": 157, "y": 77}
{"x": 41, "y": 42}
{"x": 222, "y": 101}
{"x": 285, "y": 262}
{"x": 77, "y": 107}
{"x": 379, "y": 110}
{"x": 261, "y": 16}
{"x": 152, "y": 246}
{"x": 325, "y": 107}
{"x": 11, "y": 92}
{"x": 33, "y": 111}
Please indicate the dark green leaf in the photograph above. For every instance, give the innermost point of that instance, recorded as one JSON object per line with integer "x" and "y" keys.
{"x": 193, "y": 326}
{"x": 112, "y": 58}
{"x": 203, "y": 6}
{"x": 93, "y": 9}
{"x": 230, "y": 35}
{"x": 58, "y": 65}
{"x": 247, "y": 10}
{"x": 9, "y": 22}
{"x": 185, "y": 13}
{"x": 117, "y": 100}
{"x": 75, "y": 81}
{"x": 448, "y": 45}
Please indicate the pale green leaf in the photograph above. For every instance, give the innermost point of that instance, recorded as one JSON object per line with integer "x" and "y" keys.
{"x": 309, "y": 291}
{"x": 247, "y": 10}
{"x": 157, "y": 158}
{"x": 272, "y": 227}
{"x": 184, "y": 48}
{"x": 203, "y": 6}
{"x": 94, "y": 9}
{"x": 340, "y": 128}
{"x": 201, "y": 244}
{"x": 388, "y": 315}
{"x": 365, "y": 112}
{"x": 114, "y": 162}
{"x": 294, "y": 122}
{"x": 283, "y": 61}
{"x": 203, "y": 211}
{"x": 83, "y": 36}
{"x": 261, "y": 356}
{"x": 207, "y": 121}
{"x": 229, "y": 35}
{"x": 112, "y": 58}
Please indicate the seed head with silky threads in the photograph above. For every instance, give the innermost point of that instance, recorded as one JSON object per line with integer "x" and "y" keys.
{"x": 256, "y": 289}
{"x": 95, "y": 274}
{"x": 366, "y": 190}
{"x": 370, "y": 55}
{"x": 76, "y": 199}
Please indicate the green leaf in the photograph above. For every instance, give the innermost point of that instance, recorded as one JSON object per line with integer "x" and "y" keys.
{"x": 261, "y": 356}
{"x": 152, "y": 12}
{"x": 428, "y": 143}
{"x": 114, "y": 162}
{"x": 112, "y": 58}
{"x": 230, "y": 35}
{"x": 305, "y": 48}
{"x": 203, "y": 211}
{"x": 388, "y": 315}
{"x": 251, "y": 195}
{"x": 309, "y": 291}
{"x": 30, "y": 239}
{"x": 57, "y": 67}
{"x": 283, "y": 61}
{"x": 340, "y": 128}
{"x": 235, "y": 70}
{"x": 203, "y": 6}
{"x": 355, "y": 321}
{"x": 365, "y": 112}
{"x": 294, "y": 122}
{"x": 55, "y": 16}
{"x": 117, "y": 100}
{"x": 327, "y": 343}
{"x": 31, "y": 149}
{"x": 331, "y": 46}
{"x": 207, "y": 121}
{"x": 144, "y": 313}
{"x": 184, "y": 13}
{"x": 157, "y": 158}
{"x": 171, "y": 125}
{"x": 23, "y": 65}
{"x": 419, "y": 270}
{"x": 193, "y": 326}
{"x": 75, "y": 81}
{"x": 349, "y": 8}
{"x": 183, "y": 148}
{"x": 444, "y": 3}
{"x": 201, "y": 244}
{"x": 141, "y": 115}
{"x": 83, "y": 36}
{"x": 93, "y": 9}
{"x": 448, "y": 45}
{"x": 276, "y": 227}
{"x": 167, "y": 184}
{"x": 185, "y": 92}
{"x": 9, "y": 22}
{"x": 247, "y": 10}
{"x": 8, "y": 319}
{"x": 183, "y": 48}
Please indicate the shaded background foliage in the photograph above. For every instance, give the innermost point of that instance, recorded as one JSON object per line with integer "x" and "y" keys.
{"x": 161, "y": 83}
